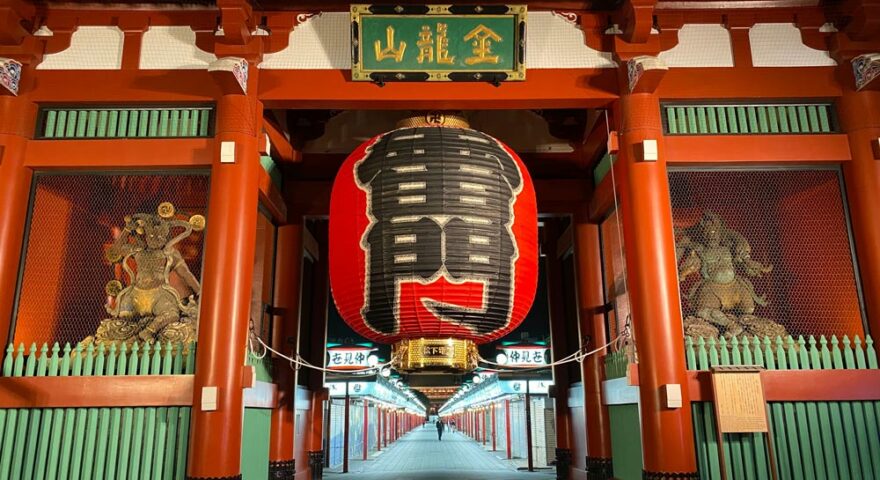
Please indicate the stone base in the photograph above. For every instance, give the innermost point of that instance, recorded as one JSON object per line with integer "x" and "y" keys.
{"x": 646, "y": 475}
{"x": 599, "y": 468}
{"x": 316, "y": 464}
{"x": 563, "y": 463}
{"x": 282, "y": 470}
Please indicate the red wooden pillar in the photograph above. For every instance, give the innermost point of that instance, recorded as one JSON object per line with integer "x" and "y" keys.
{"x": 17, "y": 123}
{"x": 316, "y": 433}
{"x": 366, "y": 427}
{"x": 561, "y": 349}
{"x": 226, "y": 293}
{"x": 494, "y": 431}
{"x": 288, "y": 262}
{"x": 346, "y": 430}
{"x": 591, "y": 301}
{"x": 507, "y": 428}
{"x": 485, "y": 424}
{"x": 378, "y": 427}
{"x": 385, "y": 427}
{"x": 859, "y": 114}
{"x": 667, "y": 432}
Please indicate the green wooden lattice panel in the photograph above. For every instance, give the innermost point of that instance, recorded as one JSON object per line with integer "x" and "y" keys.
{"x": 135, "y": 122}
{"x": 748, "y": 119}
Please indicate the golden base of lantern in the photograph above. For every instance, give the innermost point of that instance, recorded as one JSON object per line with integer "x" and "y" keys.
{"x": 446, "y": 354}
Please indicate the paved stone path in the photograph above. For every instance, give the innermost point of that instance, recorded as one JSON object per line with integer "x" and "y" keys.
{"x": 419, "y": 456}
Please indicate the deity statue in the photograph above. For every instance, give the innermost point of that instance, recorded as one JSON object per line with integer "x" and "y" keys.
{"x": 152, "y": 307}
{"x": 723, "y": 300}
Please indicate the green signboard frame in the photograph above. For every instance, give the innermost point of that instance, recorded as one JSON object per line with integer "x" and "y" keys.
{"x": 417, "y": 43}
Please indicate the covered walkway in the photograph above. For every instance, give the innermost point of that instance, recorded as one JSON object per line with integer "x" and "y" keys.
{"x": 419, "y": 456}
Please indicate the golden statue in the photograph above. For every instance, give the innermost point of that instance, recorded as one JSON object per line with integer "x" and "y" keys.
{"x": 151, "y": 308}
{"x": 723, "y": 300}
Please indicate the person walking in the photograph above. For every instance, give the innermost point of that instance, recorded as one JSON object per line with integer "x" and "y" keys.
{"x": 440, "y": 425}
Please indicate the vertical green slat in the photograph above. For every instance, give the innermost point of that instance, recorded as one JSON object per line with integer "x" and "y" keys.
{"x": 94, "y": 366}
{"x": 102, "y": 124}
{"x": 753, "y": 120}
{"x": 800, "y": 412}
{"x": 112, "y": 123}
{"x": 731, "y": 119}
{"x": 671, "y": 124}
{"x": 836, "y": 422}
{"x": 143, "y": 128}
{"x": 49, "y": 127}
{"x": 762, "y": 464}
{"x": 779, "y": 436}
{"x": 860, "y": 433}
{"x": 92, "y": 125}
{"x": 204, "y": 121}
{"x": 82, "y": 122}
{"x": 163, "y": 122}
{"x": 794, "y": 444}
{"x": 137, "y": 434}
{"x": 846, "y": 414}
{"x": 763, "y": 125}
{"x": 793, "y": 119}
{"x": 174, "y": 125}
{"x": 104, "y": 414}
{"x": 153, "y": 130}
{"x": 782, "y": 114}
{"x": 67, "y": 430}
{"x": 701, "y": 120}
{"x": 184, "y": 123}
{"x": 52, "y": 465}
{"x": 870, "y": 414}
{"x": 803, "y": 121}
{"x": 171, "y": 444}
{"x": 31, "y": 450}
{"x": 23, "y": 419}
{"x": 70, "y": 124}
{"x": 681, "y": 117}
{"x": 161, "y": 415}
{"x": 124, "y": 119}
{"x": 742, "y": 121}
{"x": 183, "y": 423}
{"x": 128, "y": 432}
{"x": 11, "y": 415}
{"x": 722, "y": 120}
{"x": 42, "y": 461}
{"x": 824, "y": 429}
{"x": 773, "y": 116}
{"x": 117, "y": 433}
{"x": 713, "y": 120}
{"x": 148, "y": 447}
{"x": 825, "y": 118}
{"x": 812, "y": 411}
{"x": 692, "y": 120}
{"x": 61, "y": 124}
{"x": 194, "y": 123}
{"x": 813, "y": 114}
{"x": 82, "y": 366}
{"x": 134, "y": 120}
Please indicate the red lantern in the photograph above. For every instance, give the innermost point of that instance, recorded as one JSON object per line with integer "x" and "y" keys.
{"x": 433, "y": 240}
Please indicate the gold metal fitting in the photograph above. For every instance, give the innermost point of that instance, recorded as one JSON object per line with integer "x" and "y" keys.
{"x": 448, "y": 354}
{"x": 166, "y": 210}
{"x": 434, "y": 119}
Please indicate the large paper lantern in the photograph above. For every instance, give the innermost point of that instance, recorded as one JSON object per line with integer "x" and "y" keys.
{"x": 433, "y": 243}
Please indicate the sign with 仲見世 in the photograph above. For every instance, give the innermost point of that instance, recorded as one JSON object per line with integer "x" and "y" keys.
{"x": 438, "y": 43}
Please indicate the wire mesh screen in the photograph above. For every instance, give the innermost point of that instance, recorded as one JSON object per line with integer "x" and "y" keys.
{"x": 614, "y": 263}
{"x": 764, "y": 252}
{"x": 74, "y": 221}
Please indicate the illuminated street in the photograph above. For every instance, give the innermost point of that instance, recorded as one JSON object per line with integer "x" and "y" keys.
{"x": 419, "y": 456}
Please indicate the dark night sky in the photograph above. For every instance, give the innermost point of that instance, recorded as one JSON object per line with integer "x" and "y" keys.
{"x": 535, "y": 324}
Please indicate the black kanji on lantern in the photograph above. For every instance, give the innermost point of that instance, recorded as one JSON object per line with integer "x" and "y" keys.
{"x": 441, "y": 205}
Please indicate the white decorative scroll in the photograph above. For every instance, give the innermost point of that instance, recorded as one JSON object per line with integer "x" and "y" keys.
{"x": 700, "y": 45}
{"x": 91, "y": 48}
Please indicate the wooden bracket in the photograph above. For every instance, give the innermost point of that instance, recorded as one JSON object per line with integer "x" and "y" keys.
{"x": 644, "y": 73}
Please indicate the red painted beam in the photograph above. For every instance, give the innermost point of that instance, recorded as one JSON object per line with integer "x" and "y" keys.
{"x": 73, "y": 392}
{"x": 550, "y": 88}
{"x": 749, "y": 82}
{"x": 801, "y": 385}
{"x": 756, "y": 148}
{"x": 151, "y": 153}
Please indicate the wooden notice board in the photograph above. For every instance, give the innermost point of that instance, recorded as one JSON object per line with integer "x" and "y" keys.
{"x": 739, "y": 400}
{"x": 740, "y": 407}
